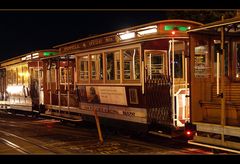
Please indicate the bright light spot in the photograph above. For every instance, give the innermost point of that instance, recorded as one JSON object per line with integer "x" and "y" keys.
{"x": 147, "y": 30}
{"x": 188, "y": 132}
{"x": 127, "y": 35}
{"x": 35, "y": 54}
{"x": 150, "y": 31}
{"x": 25, "y": 74}
{"x": 173, "y": 32}
{"x": 17, "y": 89}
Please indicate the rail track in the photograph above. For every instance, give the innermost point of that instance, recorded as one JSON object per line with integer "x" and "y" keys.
{"x": 56, "y": 138}
{"x": 23, "y": 145}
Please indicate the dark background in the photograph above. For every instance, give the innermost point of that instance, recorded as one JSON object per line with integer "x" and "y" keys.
{"x": 24, "y": 31}
{"x": 29, "y": 25}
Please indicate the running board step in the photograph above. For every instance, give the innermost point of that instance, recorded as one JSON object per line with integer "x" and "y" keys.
{"x": 213, "y": 147}
{"x": 62, "y": 118}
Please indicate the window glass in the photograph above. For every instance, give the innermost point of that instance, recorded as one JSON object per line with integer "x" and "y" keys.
{"x": 63, "y": 77}
{"x": 19, "y": 75}
{"x": 131, "y": 66}
{"x": 201, "y": 61}
{"x": 51, "y": 73}
{"x": 25, "y": 75}
{"x": 14, "y": 74}
{"x": 113, "y": 65}
{"x": 83, "y": 67}
{"x": 97, "y": 66}
{"x": 9, "y": 77}
{"x": 178, "y": 64}
{"x": 155, "y": 64}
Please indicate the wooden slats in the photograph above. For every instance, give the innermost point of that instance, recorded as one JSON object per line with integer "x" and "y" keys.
{"x": 232, "y": 93}
{"x": 212, "y": 113}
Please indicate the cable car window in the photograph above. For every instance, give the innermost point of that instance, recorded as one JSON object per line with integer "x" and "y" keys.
{"x": 51, "y": 77}
{"x": 97, "y": 66}
{"x": 19, "y": 75}
{"x": 178, "y": 64}
{"x": 14, "y": 76}
{"x": 24, "y": 75}
{"x": 64, "y": 75}
{"x": 131, "y": 59}
{"x": 113, "y": 65}
{"x": 9, "y": 77}
{"x": 201, "y": 61}
{"x": 155, "y": 62}
{"x": 83, "y": 67}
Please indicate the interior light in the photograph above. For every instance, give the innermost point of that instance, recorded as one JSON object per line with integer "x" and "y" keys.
{"x": 28, "y": 57}
{"x": 127, "y": 35}
{"x": 173, "y": 32}
{"x": 17, "y": 89}
{"x": 35, "y": 54}
{"x": 20, "y": 74}
{"x": 147, "y": 30}
{"x": 27, "y": 74}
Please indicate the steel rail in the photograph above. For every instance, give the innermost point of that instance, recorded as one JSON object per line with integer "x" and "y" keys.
{"x": 11, "y": 144}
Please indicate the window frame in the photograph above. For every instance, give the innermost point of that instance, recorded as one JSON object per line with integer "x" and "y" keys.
{"x": 162, "y": 53}
{"x": 131, "y": 66}
{"x": 103, "y": 52}
{"x": 234, "y": 61}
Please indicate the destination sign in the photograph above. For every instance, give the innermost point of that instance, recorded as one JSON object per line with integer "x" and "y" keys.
{"x": 88, "y": 44}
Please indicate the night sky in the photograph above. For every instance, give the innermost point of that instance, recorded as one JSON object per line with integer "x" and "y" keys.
{"x": 25, "y": 31}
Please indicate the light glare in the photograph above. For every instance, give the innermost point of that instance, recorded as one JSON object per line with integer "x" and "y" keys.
{"x": 127, "y": 35}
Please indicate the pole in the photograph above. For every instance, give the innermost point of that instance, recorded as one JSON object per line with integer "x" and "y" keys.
{"x": 68, "y": 88}
{"x": 173, "y": 85}
{"x": 58, "y": 83}
{"x": 223, "y": 121}
{"x": 218, "y": 70}
{"x": 50, "y": 81}
{"x": 98, "y": 125}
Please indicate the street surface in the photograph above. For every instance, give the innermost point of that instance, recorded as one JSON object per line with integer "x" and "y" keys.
{"x": 27, "y": 135}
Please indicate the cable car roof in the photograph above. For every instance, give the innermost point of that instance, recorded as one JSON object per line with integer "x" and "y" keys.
{"x": 129, "y": 29}
{"x": 228, "y": 23}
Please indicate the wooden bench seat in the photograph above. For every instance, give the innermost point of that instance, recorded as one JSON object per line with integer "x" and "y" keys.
{"x": 212, "y": 112}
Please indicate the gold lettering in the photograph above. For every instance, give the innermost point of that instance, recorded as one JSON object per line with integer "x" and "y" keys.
{"x": 88, "y": 44}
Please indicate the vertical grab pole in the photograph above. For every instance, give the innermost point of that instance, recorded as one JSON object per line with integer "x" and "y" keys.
{"x": 58, "y": 83}
{"x": 173, "y": 85}
{"x": 68, "y": 86}
{"x": 143, "y": 77}
{"x": 185, "y": 113}
{"x": 39, "y": 88}
{"x": 218, "y": 71}
{"x": 223, "y": 120}
{"x": 50, "y": 81}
